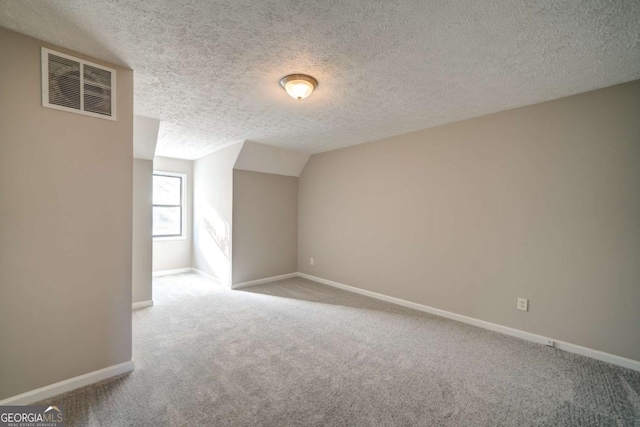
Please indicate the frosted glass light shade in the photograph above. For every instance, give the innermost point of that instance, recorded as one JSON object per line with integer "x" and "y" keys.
{"x": 298, "y": 86}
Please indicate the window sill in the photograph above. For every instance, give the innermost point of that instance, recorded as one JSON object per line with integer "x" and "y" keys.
{"x": 160, "y": 239}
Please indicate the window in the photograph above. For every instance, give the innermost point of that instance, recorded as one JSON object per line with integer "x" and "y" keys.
{"x": 168, "y": 205}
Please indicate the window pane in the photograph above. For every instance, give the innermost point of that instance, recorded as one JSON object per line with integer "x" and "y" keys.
{"x": 166, "y": 221}
{"x": 166, "y": 190}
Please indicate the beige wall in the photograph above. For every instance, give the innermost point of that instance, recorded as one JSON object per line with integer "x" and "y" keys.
{"x": 540, "y": 202}
{"x": 212, "y": 220}
{"x": 142, "y": 246}
{"x": 265, "y": 225}
{"x": 65, "y": 229}
{"x": 173, "y": 254}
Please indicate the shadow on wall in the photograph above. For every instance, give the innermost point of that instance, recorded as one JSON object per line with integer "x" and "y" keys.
{"x": 213, "y": 243}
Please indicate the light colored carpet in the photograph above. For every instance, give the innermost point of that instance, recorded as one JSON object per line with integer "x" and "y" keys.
{"x": 297, "y": 353}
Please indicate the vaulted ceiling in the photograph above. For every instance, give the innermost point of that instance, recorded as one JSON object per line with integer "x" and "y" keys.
{"x": 209, "y": 70}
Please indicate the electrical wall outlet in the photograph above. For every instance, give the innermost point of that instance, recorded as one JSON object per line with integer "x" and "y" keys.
{"x": 523, "y": 304}
{"x": 311, "y": 261}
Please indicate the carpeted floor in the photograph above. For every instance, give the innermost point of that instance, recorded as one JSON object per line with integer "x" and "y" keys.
{"x": 297, "y": 353}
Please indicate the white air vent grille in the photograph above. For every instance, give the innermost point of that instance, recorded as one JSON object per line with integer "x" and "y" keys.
{"x": 97, "y": 90}
{"x": 77, "y": 86}
{"x": 64, "y": 82}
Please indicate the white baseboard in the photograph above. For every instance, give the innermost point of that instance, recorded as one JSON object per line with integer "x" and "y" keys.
{"x": 265, "y": 280}
{"x": 167, "y": 272}
{"x": 141, "y": 304}
{"x": 185, "y": 270}
{"x": 68, "y": 385}
{"x": 571, "y": 348}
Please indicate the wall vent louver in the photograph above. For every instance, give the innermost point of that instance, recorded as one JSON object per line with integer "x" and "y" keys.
{"x": 78, "y": 86}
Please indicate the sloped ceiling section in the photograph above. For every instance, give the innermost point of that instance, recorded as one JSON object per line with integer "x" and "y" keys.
{"x": 267, "y": 159}
{"x": 188, "y": 143}
{"x": 210, "y": 69}
{"x": 145, "y": 137}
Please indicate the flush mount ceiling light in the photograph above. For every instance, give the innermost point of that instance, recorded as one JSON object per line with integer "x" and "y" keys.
{"x": 298, "y": 86}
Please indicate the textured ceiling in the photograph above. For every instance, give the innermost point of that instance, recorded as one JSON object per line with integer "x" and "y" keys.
{"x": 267, "y": 159}
{"x": 209, "y": 70}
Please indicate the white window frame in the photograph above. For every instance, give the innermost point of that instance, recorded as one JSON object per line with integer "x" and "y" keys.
{"x": 183, "y": 205}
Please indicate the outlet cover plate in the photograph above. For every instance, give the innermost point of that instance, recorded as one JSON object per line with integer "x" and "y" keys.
{"x": 523, "y": 304}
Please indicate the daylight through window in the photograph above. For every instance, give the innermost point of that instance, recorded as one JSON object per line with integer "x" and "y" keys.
{"x": 167, "y": 205}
